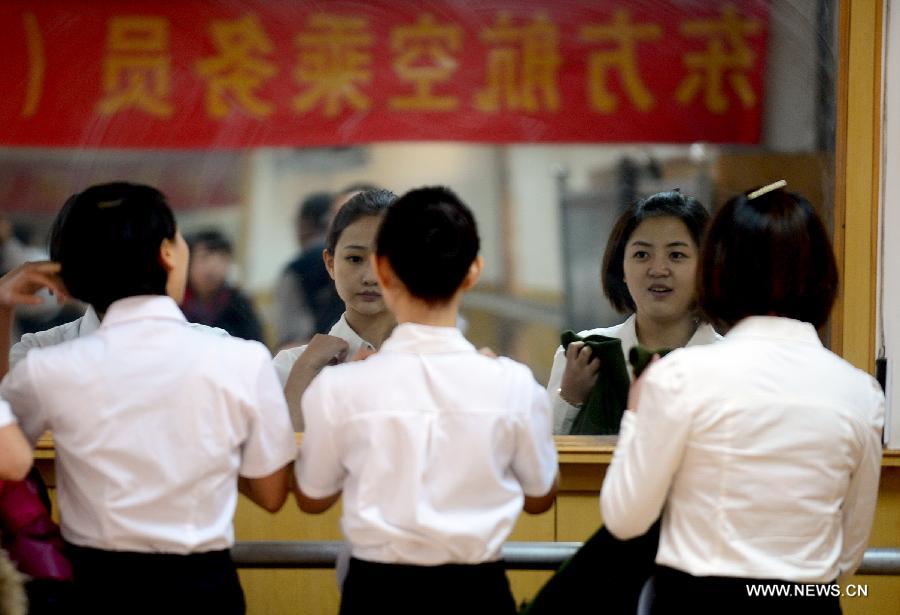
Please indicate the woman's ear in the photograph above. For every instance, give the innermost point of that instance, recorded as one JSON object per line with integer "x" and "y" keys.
{"x": 474, "y": 273}
{"x": 384, "y": 273}
{"x": 167, "y": 256}
{"x": 328, "y": 259}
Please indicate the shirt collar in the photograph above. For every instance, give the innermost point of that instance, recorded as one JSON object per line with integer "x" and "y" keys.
{"x": 705, "y": 334}
{"x": 142, "y": 307}
{"x": 89, "y": 322}
{"x": 343, "y": 330}
{"x": 426, "y": 339}
{"x": 775, "y": 328}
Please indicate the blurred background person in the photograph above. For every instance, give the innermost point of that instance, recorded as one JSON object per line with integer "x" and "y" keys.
{"x": 209, "y": 298}
{"x": 307, "y": 302}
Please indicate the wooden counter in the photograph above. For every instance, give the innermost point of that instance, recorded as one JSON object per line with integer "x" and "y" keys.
{"x": 575, "y": 516}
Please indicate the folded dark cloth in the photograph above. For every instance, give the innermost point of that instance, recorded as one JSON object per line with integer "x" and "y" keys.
{"x": 602, "y": 410}
{"x": 640, "y": 357}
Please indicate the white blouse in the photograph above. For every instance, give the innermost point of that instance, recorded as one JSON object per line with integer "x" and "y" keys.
{"x": 762, "y": 452}
{"x": 564, "y": 413}
{"x": 153, "y": 422}
{"x": 433, "y": 445}
{"x": 285, "y": 359}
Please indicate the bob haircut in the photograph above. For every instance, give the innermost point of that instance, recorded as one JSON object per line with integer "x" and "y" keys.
{"x": 671, "y": 203}
{"x": 371, "y": 203}
{"x": 430, "y": 239}
{"x": 107, "y": 241}
{"x": 768, "y": 255}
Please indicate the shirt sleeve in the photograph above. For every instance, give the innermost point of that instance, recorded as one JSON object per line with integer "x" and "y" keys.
{"x": 535, "y": 463}
{"x": 564, "y": 413}
{"x": 270, "y": 443}
{"x": 284, "y": 361}
{"x": 19, "y": 390}
{"x": 6, "y": 415}
{"x": 858, "y": 509}
{"x": 319, "y": 469}
{"x": 651, "y": 444}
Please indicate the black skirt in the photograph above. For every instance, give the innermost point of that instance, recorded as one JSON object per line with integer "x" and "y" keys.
{"x": 160, "y": 583}
{"x": 472, "y": 589}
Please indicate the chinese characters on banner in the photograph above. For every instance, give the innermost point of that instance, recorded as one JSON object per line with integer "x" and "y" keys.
{"x": 216, "y": 74}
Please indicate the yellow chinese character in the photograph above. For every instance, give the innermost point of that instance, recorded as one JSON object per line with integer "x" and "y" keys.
{"x": 711, "y": 67}
{"x": 237, "y": 72}
{"x": 136, "y": 68}
{"x": 425, "y": 57}
{"x": 625, "y": 35}
{"x": 334, "y": 61}
{"x": 522, "y": 68}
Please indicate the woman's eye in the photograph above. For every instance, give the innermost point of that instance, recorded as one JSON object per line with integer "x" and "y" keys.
{"x": 640, "y": 255}
{"x": 354, "y": 259}
{"x": 677, "y": 256}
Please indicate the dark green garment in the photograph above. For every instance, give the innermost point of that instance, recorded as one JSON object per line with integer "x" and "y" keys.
{"x": 602, "y": 410}
{"x": 639, "y": 357}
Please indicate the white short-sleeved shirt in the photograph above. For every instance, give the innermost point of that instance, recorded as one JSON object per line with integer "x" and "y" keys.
{"x": 153, "y": 421}
{"x": 6, "y": 415}
{"x": 765, "y": 450}
{"x": 86, "y": 324}
{"x": 564, "y": 414}
{"x": 433, "y": 444}
{"x": 285, "y": 359}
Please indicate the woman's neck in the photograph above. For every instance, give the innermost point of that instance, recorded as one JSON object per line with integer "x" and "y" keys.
{"x": 655, "y": 334}
{"x": 374, "y": 328}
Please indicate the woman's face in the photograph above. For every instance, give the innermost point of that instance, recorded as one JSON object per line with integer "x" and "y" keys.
{"x": 351, "y": 268}
{"x": 660, "y": 268}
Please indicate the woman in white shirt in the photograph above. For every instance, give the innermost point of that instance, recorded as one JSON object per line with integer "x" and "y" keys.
{"x": 157, "y": 426}
{"x": 435, "y": 447}
{"x": 648, "y": 271}
{"x": 762, "y": 451}
{"x": 366, "y": 322}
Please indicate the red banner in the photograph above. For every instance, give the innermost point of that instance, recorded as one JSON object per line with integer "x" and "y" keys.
{"x": 231, "y": 74}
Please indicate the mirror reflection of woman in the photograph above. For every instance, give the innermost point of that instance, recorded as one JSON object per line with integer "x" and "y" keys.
{"x": 366, "y": 321}
{"x": 649, "y": 269}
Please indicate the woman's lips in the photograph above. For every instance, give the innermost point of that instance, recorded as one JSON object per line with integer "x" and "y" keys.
{"x": 369, "y": 296}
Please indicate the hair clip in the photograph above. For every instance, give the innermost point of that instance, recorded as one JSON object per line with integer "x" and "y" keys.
{"x": 108, "y": 204}
{"x": 781, "y": 183}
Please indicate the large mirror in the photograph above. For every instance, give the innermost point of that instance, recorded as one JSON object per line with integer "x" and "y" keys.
{"x": 547, "y": 119}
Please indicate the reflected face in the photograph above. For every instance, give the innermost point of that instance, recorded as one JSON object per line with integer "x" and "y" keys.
{"x": 351, "y": 268}
{"x": 660, "y": 268}
{"x": 208, "y": 269}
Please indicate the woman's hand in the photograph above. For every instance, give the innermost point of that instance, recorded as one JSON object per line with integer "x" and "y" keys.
{"x": 20, "y": 286}
{"x": 324, "y": 350}
{"x": 580, "y": 374}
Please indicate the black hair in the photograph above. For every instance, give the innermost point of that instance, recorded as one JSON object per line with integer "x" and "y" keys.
{"x": 211, "y": 239}
{"x": 670, "y": 203}
{"x": 768, "y": 255}
{"x": 430, "y": 239}
{"x": 107, "y": 240}
{"x": 371, "y": 203}
{"x": 315, "y": 209}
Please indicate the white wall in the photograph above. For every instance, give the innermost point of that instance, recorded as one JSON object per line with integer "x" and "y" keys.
{"x": 280, "y": 178}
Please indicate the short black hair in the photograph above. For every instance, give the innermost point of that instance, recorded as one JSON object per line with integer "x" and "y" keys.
{"x": 371, "y": 203}
{"x": 315, "y": 209}
{"x": 768, "y": 255}
{"x": 211, "y": 239}
{"x": 669, "y": 203}
{"x": 430, "y": 239}
{"x": 107, "y": 240}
